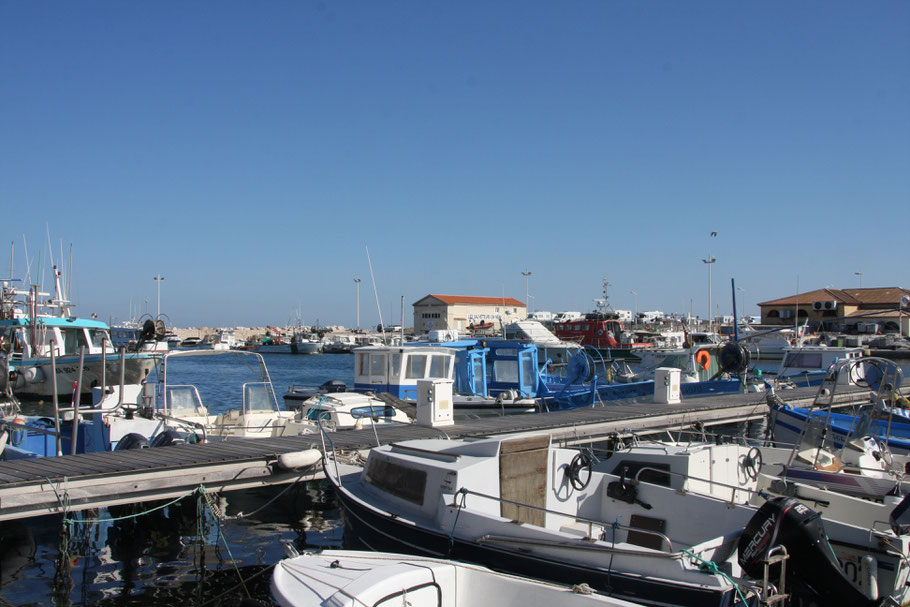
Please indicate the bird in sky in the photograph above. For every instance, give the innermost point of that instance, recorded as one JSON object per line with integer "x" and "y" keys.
{"x": 713, "y": 234}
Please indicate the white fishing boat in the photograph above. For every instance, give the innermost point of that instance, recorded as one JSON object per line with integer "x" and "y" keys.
{"x": 46, "y": 349}
{"x": 225, "y": 339}
{"x": 805, "y": 365}
{"x": 522, "y": 504}
{"x": 304, "y": 343}
{"x": 348, "y": 578}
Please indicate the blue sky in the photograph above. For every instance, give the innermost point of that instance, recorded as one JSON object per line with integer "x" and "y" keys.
{"x": 250, "y": 151}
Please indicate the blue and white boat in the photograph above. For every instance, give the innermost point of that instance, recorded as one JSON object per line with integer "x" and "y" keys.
{"x": 47, "y": 350}
{"x": 863, "y": 453}
{"x": 807, "y": 365}
{"x": 500, "y": 376}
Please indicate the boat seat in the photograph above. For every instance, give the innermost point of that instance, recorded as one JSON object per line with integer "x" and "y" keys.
{"x": 821, "y": 459}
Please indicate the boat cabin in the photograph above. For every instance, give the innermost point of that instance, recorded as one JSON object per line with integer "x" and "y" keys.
{"x": 597, "y": 329}
{"x": 24, "y": 339}
{"x": 811, "y": 362}
{"x": 396, "y": 369}
{"x": 476, "y": 367}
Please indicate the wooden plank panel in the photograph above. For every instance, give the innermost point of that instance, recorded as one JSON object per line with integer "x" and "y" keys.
{"x": 523, "y": 479}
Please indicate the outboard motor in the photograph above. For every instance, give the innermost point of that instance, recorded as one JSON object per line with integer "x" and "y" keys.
{"x": 132, "y": 440}
{"x": 167, "y": 438}
{"x": 813, "y": 571}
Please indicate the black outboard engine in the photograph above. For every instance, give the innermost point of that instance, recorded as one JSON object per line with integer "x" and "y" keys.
{"x": 813, "y": 571}
{"x": 132, "y": 440}
{"x": 167, "y": 438}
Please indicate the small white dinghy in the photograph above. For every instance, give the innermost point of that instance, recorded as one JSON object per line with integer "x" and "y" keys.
{"x": 383, "y": 579}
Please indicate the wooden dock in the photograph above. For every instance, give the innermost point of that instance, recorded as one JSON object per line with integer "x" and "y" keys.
{"x": 52, "y": 485}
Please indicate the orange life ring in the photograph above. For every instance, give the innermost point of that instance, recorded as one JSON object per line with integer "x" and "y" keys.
{"x": 703, "y": 358}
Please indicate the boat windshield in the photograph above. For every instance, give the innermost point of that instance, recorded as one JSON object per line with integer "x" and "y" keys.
{"x": 258, "y": 397}
{"x": 836, "y": 431}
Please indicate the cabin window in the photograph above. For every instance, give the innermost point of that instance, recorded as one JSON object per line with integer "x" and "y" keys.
{"x": 804, "y": 360}
{"x": 417, "y": 364}
{"x": 73, "y": 339}
{"x": 98, "y": 337}
{"x": 528, "y": 375}
{"x": 439, "y": 366}
{"x": 395, "y": 363}
{"x": 479, "y": 376}
{"x": 374, "y": 412}
{"x": 362, "y": 364}
{"x": 403, "y": 482}
{"x": 505, "y": 371}
{"x": 377, "y": 364}
{"x": 586, "y": 327}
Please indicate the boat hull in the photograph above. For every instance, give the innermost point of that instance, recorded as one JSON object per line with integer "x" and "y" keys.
{"x": 382, "y": 532}
{"x": 33, "y": 377}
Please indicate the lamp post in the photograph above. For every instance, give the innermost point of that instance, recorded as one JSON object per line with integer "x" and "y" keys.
{"x": 860, "y": 274}
{"x": 635, "y": 308}
{"x": 526, "y": 274}
{"x": 158, "y": 280}
{"x": 710, "y": 260}
{"x": 357, "y": 301}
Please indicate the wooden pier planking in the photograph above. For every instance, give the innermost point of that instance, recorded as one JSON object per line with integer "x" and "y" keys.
{"x": 28, "y": 487}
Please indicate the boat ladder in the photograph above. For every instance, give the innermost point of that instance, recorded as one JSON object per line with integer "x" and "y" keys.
{"x": 775, "y": 593}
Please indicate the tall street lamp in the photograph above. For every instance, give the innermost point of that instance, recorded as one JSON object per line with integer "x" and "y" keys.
{"x": 526, "y": 274}
{"x": 158, "y": 280}
{"x": 709, "y": 261}
{"x": 635, "y": 307}
{"x": 860, "y": 274}
{"x": 357, "y": 301}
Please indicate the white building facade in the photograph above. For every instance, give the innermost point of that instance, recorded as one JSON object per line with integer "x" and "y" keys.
{"x": 435, "y": 312}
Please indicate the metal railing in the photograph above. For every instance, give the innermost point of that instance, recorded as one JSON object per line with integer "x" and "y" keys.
{"x": 464, "y": 492}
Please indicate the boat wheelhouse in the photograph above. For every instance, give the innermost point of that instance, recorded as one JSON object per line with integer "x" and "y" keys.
{"x": 807, "y": 365}
{"x": 38, "y": 347}
{"x": 479, "y": 369}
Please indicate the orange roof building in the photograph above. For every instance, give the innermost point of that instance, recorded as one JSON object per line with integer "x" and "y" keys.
{"x": 435, "y": 311}
{"x": 843, "y": 309}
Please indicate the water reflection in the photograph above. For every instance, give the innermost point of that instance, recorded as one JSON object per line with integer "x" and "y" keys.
{"x": 181, "y": 553}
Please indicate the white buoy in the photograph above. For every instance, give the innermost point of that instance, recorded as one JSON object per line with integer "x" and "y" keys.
{"x": 299, "y": 459}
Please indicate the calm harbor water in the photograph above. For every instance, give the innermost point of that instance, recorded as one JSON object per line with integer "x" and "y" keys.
{"x": 181, "y": 554}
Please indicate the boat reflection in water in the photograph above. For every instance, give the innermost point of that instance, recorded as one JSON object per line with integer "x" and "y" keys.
{"x": 174, "y": 555}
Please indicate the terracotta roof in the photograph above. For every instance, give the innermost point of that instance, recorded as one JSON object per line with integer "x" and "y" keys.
{"x": 854, "y": 297}
{"x": 474, "y": 299}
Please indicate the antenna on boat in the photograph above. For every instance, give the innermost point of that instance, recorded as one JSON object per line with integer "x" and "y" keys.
{"x": 376, "y": 295}
{"x": 28, "y": 264}
{"x": 735, "y": 323}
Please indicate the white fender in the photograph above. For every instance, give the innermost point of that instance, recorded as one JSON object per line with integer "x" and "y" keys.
{"x": 299, "y": 459}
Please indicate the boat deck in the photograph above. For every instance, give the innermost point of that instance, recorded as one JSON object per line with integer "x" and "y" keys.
{"x": 48, "y": 485}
